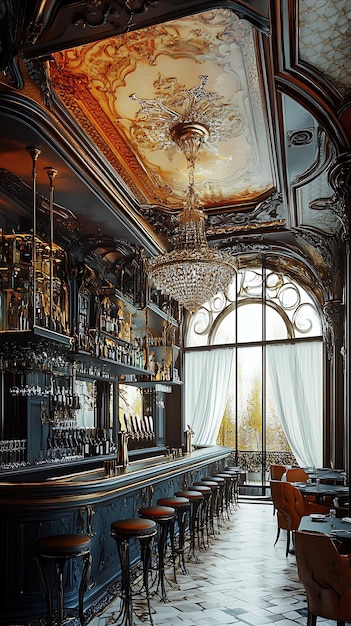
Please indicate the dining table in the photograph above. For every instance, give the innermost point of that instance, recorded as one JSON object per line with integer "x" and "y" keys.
{"x": 326, "y": 474}
{"x": 320, "y": 490}
{"x": 339, "y": 529}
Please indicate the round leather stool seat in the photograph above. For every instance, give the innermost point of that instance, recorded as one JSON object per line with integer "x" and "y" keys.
{"x": 157, "y": 512}
{"x": 190, "y": 494}
{"x": 128, "y": 528}
{"x": 204, "y": 489}
{"x": 208, "y": 483}
{"x": 221, "y": 477}
{"x": 225, "y": 475}
{"x": 61, "y": 545}
{"x": 61, "y": 548}
{"x": 174, "y": 502}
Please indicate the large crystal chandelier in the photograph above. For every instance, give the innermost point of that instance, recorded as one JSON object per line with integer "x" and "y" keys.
{"x": 192, "y": 272}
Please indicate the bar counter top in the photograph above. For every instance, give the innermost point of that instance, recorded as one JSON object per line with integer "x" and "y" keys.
{"x": 94, "y": 483}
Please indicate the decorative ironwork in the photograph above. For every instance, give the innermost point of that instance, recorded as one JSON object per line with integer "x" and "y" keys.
{"x": 275, "y": 289}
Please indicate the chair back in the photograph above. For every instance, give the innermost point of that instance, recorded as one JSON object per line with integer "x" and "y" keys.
{"x": 288, "y": 503}
{"x": 296, "y": 475}
{"x": 325, "y": 575}
{"x": 277, "y": 471}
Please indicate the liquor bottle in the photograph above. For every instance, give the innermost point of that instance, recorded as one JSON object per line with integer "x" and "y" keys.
{"x": 12, "y": 314}
{"x": 27, "y": 251}
{"x": 15, "y": 250}
{"x": 86, "y": 444}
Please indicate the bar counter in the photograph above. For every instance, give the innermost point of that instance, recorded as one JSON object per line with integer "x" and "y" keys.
{"x": 84, "y": 502}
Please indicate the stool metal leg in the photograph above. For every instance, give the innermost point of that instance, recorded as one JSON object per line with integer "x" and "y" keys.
{"x": 146, "y": 561}
{"x": 181, "y": 520}
{"x": 125, "y": 616}
{"x": 59, "y": 565}
{"x": 173, "y": 551}
{"x": 162, "y": 542}
{"x": 194, "y": 530}
{"x": 40, "y": 564}
{"x": 87, "y": 563}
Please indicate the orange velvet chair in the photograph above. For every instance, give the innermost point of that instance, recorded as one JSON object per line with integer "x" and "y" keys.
{"x": 277, "y": 471}
{"x": 291, "y": 506}
{"x": 326, "y": 577}
{"x": 296, "y": 475}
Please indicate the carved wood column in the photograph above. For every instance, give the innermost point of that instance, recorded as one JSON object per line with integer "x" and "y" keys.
{"x": 340, "y": 181}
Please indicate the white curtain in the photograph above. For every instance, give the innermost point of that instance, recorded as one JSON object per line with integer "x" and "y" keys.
{"x": 296, "y": 374}
{"x": 207, "y": 375}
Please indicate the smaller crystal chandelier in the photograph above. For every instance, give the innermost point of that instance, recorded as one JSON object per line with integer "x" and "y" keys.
{"x": 192, "y": 272}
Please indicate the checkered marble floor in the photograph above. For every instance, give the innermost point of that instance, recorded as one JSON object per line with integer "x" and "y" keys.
{"x": 242, "y": 579}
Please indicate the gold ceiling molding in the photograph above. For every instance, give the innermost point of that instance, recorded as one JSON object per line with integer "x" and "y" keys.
{"x": 96, "y": 81}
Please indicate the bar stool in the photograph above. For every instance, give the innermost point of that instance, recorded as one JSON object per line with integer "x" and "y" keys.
{"x": 181, "y": 506}
{"x": 203, "y": 514}
{"x": 235, "y": 477}
{"x": 195, "y": 498}
{"x": 219, "y": 512}
{"x": 227, "y": 489}
{"x": 213, "y": 505}
{"x": 164, "y": 516}
{"x": 59, "y": 549}
{"x": 144, "y": 530}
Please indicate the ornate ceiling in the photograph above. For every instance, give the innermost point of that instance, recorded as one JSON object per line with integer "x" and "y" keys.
{"x": 129, "y": 91}
{"x": 100, "y": 85}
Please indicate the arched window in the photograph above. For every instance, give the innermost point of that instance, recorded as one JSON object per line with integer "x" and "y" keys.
{"x": 253, "y": 372}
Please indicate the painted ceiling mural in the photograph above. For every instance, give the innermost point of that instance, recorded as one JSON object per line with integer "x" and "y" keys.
{"x": 128, "y": 92}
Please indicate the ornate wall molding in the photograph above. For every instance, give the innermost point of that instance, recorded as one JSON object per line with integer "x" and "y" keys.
{"x": 117, "y": 13}
{"x": 340, "y": 181}
{"x": 333, "y": 311}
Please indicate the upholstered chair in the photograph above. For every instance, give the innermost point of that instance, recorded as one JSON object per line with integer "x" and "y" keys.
{"x": 296, "y": 475}
{"x": 326, "y": 576}
{"x": 277, "y": 471}
{"x": 291, "y": 507}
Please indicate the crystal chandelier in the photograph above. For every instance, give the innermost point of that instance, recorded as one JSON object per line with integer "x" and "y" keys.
{"x": 192, "y": 272}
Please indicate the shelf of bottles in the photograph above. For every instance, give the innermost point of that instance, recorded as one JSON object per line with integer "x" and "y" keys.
{"x": 110, "y": 335}
{"x": 63, "y": 401}
{"x": 13, "y": 453}
{"x": 33, "y": 293}
{"x": 70, "y": 444}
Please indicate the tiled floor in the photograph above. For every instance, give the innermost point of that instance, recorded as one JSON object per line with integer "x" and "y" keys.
{"x": 242, "y": 579}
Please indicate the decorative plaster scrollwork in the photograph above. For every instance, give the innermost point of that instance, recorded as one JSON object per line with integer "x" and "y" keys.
{"x": 340, "y": 181}
{"x": 265, "y": 213}
{"x": 85, "y": 520}
{"x": 333, "y": 311}
{"x": 38, "y": 72}
{"x": 301, "y": 137}
{"x": 118, "y": 14}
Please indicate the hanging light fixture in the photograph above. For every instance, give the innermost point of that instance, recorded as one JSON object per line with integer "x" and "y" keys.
{"x": 192, "y": 272}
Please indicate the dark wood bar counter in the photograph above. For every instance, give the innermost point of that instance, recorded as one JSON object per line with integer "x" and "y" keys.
{"x": 84, "y": 502}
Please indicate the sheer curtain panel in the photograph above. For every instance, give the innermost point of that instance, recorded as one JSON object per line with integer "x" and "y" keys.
{"x": 296, "y": 373}
{"x": 207, "y": 376}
